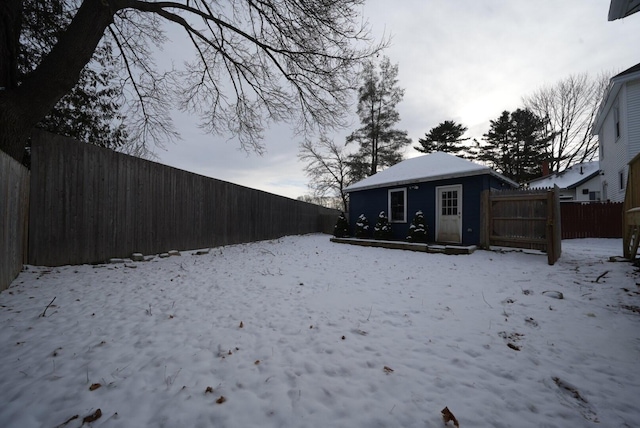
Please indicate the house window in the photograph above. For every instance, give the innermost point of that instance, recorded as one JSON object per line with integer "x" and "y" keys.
{"x": 594, "y": 196}
{"x": 585, "y": 191}
{"x": 621, "y": 179}
{"x": 398, "y": 205}
{"x": 616, "y": 119}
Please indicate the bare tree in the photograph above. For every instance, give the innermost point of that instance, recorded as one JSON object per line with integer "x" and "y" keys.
{"x": 327, "y": 166}
{"x": 256, "y": 62}
{"x": 569, "y": 108}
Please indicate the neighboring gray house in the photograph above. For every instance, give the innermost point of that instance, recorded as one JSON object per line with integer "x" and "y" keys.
{"x": 444, "y": 187}
{"x": 578, "y": 183}
{"x": 617, "y": 125}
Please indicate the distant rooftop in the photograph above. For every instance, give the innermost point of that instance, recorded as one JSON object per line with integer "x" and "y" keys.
{"x": 569, "y": 178}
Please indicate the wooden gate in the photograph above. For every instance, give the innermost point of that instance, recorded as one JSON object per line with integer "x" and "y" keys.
{"x": 522, "y": 219}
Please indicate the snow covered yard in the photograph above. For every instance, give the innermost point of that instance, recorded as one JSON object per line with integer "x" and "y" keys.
{"x": 302, "y": 332}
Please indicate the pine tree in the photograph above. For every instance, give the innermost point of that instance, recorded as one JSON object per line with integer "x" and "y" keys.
{"x": 443, "y": 138}
{"x": 362, "y": 227}
{"x": 92, "y": 111}
{"x": 516, "y": 145}
{"x": 382, "y": 229}
{"x": 341, "y": 229}
{"x": 418, "y": 229}
{"x": 380, "y": 143}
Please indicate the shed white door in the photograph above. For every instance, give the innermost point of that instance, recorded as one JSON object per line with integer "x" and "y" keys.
{"x": 449, "y": 214}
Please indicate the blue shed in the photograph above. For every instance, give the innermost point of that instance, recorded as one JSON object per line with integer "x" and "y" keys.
{"x": 446, "y": 188}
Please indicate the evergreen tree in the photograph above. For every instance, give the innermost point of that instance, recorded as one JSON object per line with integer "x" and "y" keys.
{"x": 341, "y": 229}
{"x": 90, "y": 112}
{"x": 418, "y": 229}
{"x": 380, "y": 143}
{"x": 382, "y": 229}
{"x": 443, "y": 138}
{"x": 515, "y": 145}
{"x": 362, "y": 227}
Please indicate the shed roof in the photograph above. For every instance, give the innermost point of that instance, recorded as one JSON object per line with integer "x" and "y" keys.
{"x": 571, "y": 177}
{"x": 431, "y": 167}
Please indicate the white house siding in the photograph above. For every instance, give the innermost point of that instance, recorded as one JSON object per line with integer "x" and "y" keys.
{"x": 614, "y": 151}
{"x": 633, "y": 119}
{"x": 592, "y": 185}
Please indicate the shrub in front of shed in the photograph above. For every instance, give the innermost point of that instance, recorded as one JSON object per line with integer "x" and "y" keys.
{"x": 382, "y": 229}
{"x": 341, "y": 229}
{"x": 418, "y": 229}
{"x": 362, "y": 227}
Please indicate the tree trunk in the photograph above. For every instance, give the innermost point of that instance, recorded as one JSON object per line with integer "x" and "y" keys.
{"x": 22, "y": 107}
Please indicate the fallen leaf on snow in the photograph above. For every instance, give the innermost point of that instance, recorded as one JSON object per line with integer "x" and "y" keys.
{"x": 241, "y": 324}
{"x": 92, "y": 417}
{"x": 514, "y": 347}
{"x": 94, "y": 386}
{"x": 387, "y": 369}
{"x": 448, "y": 416}
{"x": 221, "y": 399}
{"x": 208, "y": 390}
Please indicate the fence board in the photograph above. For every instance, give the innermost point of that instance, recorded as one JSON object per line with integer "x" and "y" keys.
{"x": 14, "y": 208}
{"x": 91, "y": 204}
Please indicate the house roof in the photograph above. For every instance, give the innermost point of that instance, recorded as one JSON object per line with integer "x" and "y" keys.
{"x": 616, "y": 82}
{"x": 619, "y": 9}
{"x": 571, "y": 177}
{"x": 431, "y": 167}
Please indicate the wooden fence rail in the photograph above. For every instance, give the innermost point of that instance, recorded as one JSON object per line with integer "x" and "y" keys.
{"x": 591, "y": 220}
{"x": 14, "y": 208}
{"x": 90, "y": 204}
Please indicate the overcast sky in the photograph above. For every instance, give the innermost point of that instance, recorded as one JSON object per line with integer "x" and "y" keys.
{"x": 458, "y": 60}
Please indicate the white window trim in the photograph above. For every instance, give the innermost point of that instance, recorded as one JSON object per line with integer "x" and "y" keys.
{"x": 404, "y": 191}
{"x": 622, "y": 180}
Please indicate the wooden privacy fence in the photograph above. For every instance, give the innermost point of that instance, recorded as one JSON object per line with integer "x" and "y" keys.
{"x": 631, "y": 217}
{"x": 90, "y": 204}
{"x": 522, "y": 219}
{"x": 591, "y": 220}
{"x": 14, "y": 208}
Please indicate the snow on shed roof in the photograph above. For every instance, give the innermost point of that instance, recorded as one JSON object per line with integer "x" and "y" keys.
{"x": 431, "y": 167}
{"x": 569, "y": 178}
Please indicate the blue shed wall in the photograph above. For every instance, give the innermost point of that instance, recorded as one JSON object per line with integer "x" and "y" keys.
{"x": 371, "y": 202}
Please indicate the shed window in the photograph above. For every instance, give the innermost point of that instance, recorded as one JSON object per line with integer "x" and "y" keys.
{"x": 449, "y": 203}
{"x": 398, "y": 205}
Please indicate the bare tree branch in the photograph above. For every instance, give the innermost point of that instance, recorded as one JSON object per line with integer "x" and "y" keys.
{"x": 256, "y": 62}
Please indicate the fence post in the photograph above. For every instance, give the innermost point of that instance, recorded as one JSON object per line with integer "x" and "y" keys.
{"x": 485, "y": 220}
{"x": 553, "y": 231}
